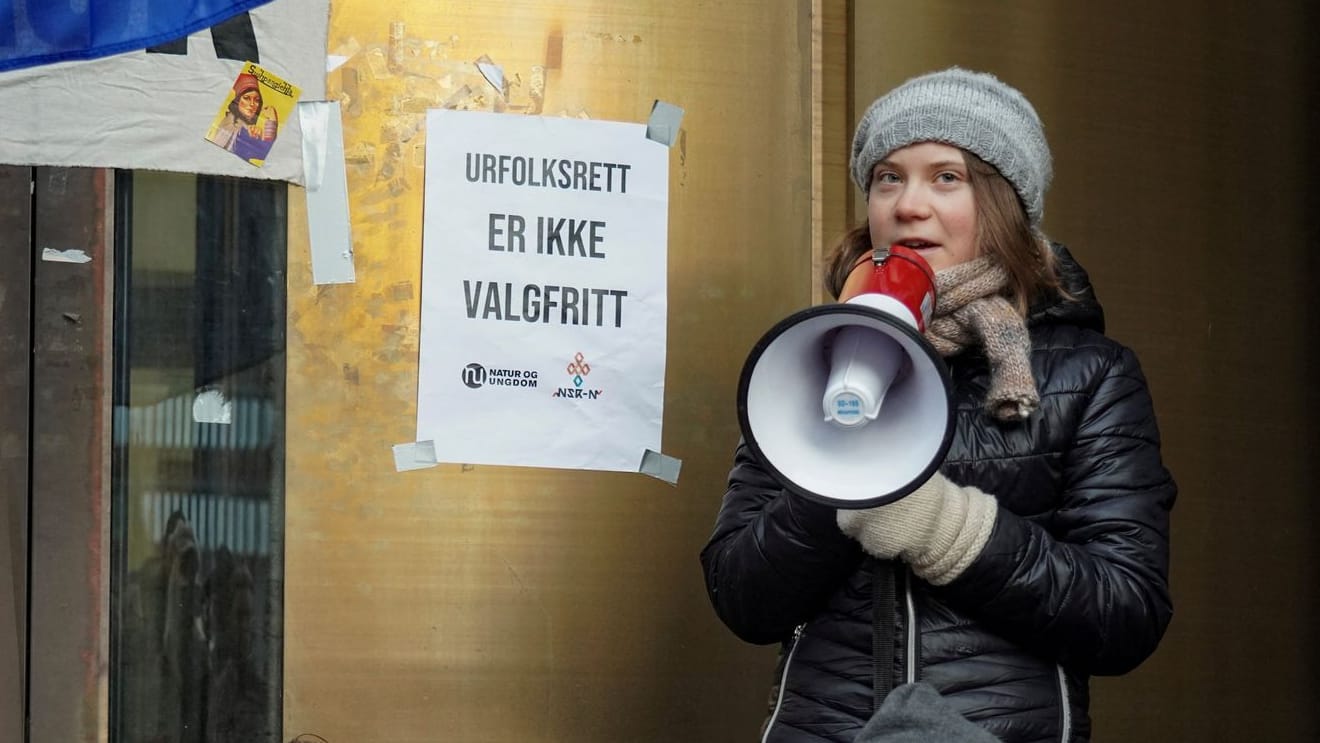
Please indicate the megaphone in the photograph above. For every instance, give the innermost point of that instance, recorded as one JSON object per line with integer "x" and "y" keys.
{"x": 847, "y": 404}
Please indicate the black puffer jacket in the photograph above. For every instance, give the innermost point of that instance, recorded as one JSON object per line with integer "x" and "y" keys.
{"x": 1072, "y": 583}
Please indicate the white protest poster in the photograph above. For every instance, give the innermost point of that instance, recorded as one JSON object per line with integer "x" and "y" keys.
{"x": 543, "y": 291}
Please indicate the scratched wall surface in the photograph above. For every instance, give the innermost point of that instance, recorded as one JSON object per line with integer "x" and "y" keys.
{"x": 510, "y": 604}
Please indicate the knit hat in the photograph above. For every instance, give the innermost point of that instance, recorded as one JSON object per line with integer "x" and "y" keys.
{"x": 916, "y": 713}
{"x": 244, "y": 82}
{"x": 970, "y": 110}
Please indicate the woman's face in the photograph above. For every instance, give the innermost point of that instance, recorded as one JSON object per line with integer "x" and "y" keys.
{"x": 920, "y": 197}
{"x": 249, "y": 105}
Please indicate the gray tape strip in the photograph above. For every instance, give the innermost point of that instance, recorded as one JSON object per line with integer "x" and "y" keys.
{"x": 211, "y": 406}
{"x": 663, "y": 125}
{"x": 72, "y": 255}
{"x": 660, "y": 466}
{"x": 329, "y": 227}
{"x": 493, "y": 73}
{"x": 417, "y": 455}
{"x": 314, "y": 118}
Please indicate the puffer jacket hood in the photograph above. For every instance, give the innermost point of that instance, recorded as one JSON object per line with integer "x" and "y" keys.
{"x": 1081, "y": 309}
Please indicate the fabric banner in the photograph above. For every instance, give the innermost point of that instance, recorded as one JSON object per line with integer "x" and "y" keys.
{"x": 154, "y": 109}
{"x": 34, "y": 32}
{"x": 543, "y": 291}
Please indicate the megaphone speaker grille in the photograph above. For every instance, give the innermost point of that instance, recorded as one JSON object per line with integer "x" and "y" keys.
{"x": 780, "y": 411}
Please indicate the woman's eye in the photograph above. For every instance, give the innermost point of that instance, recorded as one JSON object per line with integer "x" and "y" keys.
{"x": 887, "y": 176}
{"x": 948, "y": 176}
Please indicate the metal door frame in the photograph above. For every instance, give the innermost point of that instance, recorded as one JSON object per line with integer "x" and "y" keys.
{"x": 55, "y": 414}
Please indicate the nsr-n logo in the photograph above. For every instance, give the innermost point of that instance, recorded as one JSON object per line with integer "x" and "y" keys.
{"x": 578, "y": 369}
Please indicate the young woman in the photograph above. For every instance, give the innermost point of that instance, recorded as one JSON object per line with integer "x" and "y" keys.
{"x": 1038, "y": 555}
{"x": 242, "y": 111}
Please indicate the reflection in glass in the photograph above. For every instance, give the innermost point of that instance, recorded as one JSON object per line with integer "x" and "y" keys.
{"x": 199, "y": 459}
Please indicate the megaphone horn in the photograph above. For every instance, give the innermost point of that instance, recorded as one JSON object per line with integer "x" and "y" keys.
{"x": 847, "y": 404}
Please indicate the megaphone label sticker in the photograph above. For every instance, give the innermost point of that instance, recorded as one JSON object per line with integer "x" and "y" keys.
{"x": 848, "y": 406}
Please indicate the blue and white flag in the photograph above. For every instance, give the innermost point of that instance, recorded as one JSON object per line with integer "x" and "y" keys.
{"x": 34, "y": 32}
{"x": 152, "y": 108}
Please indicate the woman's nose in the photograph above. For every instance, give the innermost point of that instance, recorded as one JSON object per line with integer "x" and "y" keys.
{"x": 912, "y": 203}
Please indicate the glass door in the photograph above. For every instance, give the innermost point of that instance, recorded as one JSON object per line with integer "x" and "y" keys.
{"x": 198, "y": 465}
{"x": 142, "y": 322}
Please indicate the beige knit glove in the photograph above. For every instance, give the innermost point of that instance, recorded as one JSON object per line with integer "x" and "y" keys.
{"x": 938, "y": 529}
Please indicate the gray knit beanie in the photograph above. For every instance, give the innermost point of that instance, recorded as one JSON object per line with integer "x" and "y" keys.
{"x": 971, "y": 110}
{"x": 916, "y": 713}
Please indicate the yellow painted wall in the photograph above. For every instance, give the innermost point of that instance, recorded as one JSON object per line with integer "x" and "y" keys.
{"x": 516, "y": 604}
{"x": 507, "y": 604}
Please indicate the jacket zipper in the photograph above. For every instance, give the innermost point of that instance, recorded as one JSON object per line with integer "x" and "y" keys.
{"x": 1065, "y": 707}
{"x": 910, "y": 661}
{"x": 783, "y": 682}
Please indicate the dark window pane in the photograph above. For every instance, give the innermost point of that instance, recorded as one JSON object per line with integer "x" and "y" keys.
{"x": 199, "y": 459}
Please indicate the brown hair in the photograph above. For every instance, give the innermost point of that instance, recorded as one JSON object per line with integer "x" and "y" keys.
{"x": 1002, "y": 230}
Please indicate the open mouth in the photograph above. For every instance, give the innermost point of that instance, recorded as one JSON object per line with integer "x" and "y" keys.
{"x": 917, "y": 244}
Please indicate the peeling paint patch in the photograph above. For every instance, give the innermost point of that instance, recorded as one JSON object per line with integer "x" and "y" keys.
{"x": 554, "y": 51}
{"x": 616, "y": 38}
{"x": 401, "y": 291}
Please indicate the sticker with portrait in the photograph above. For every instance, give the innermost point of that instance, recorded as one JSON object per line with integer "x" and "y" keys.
{"x": 256, "y": 107}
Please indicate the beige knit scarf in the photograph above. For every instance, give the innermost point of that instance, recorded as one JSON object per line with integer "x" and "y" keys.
{"x": 970, "y": 309}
